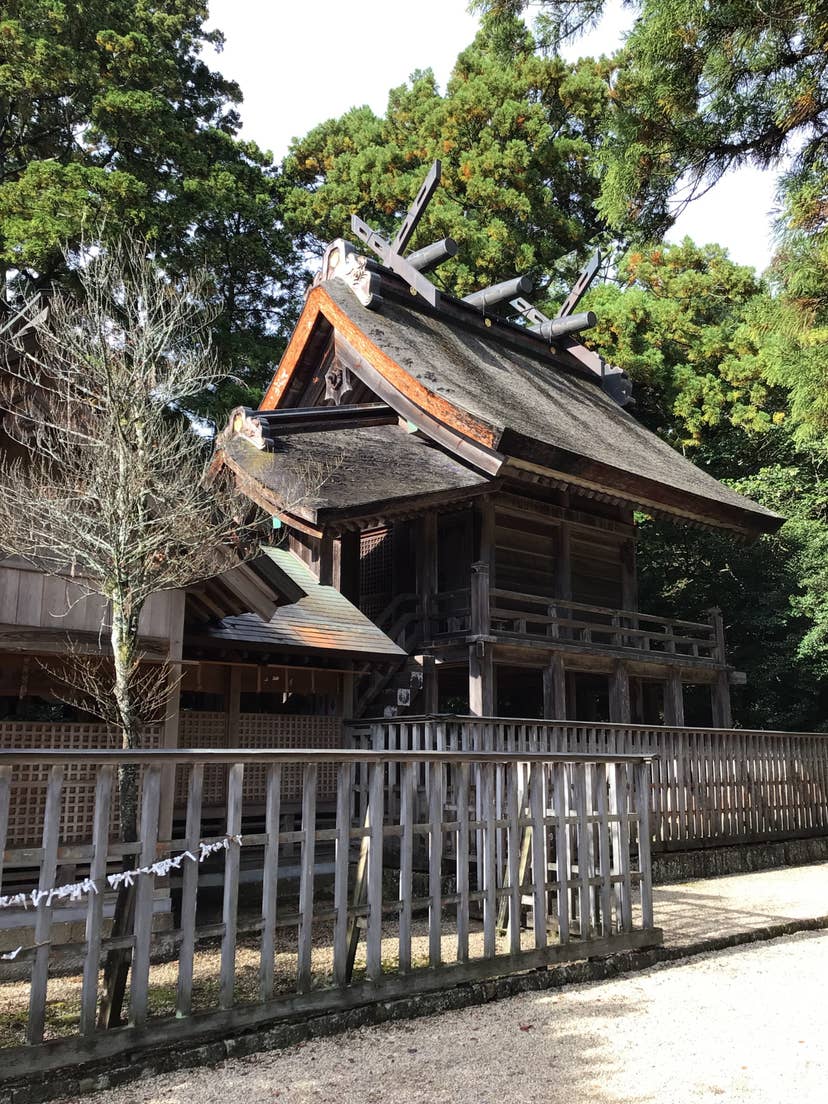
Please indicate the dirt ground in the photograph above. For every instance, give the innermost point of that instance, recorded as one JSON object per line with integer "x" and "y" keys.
{"x": 745, "y": 1025}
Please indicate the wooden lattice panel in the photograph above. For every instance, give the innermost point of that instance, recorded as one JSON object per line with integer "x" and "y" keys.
{"x": 203, "y": 730}
{"x": 275, "y": 730}
{"x": 28, "y": 790}
{"x": 375, "y": 567}
{"x": 268, "y": 731}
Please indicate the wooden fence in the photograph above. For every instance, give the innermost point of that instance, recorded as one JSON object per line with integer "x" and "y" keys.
{"x": 709, "y": 787}
{"x": 548, "y": 878}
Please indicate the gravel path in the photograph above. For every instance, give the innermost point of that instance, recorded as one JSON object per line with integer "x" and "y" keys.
{"x": 742, "y": 1025}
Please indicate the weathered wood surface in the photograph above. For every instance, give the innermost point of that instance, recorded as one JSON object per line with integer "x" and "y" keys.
{"x": 556, "y": 621}
{"x": 526, "y": 814}
{"x": 707, "y": 787}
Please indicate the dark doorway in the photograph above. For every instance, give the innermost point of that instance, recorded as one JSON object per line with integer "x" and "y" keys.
{"x": 698, "y": 705}
{"x": 647, "y": 701}
{"x": 519, "y": 692}
{"x": 453, "y": 690}
{"x": 589, "y": 699}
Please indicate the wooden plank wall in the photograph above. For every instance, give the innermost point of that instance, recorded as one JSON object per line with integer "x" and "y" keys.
{"x": 30, "y": 599}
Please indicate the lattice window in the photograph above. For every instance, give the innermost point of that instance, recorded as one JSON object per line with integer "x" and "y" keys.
{"x": 376, "y": 551}
{"x": 202, "y": 730}
{"x": 29, "y": 781}
{"x": 257, "y": 730}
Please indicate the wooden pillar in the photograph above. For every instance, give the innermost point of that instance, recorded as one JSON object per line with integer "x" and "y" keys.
{"x": 178, "y": 600}
{"x": 563, "y": 565}
{"x": 674, "y": 700}
{"x": 717, "y": 623}
{"x": 720, "y": 691}
{"x": 431, "y": 701}
{"x": 554, "y": 689}
{"x": 619, "y": 697}
{"x": 233, "y": 711}
{"x": 486, "y": 533}
{"x": 348, "y": 697}
{"x": 349, "y": 565}
{"x": 427, "y": 569}
{"x": 629, "y": 581}
{"x": 329, "y": 560}
{"x": 481, "y": 679}
{"x": 480, "y": 608}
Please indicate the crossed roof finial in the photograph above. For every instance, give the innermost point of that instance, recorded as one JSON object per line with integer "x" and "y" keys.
{"x": 410, "y": 268}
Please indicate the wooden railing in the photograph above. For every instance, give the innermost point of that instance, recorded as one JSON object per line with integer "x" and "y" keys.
{"x": 537, "y": 834}
{"x": 708, "y": 787}
{"x": 511, "y": 613}
{"x": 481, "y": 610}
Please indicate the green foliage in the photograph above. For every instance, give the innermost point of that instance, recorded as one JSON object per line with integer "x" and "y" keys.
{"x": 774, "y": 594}
{"x": 516, "y": 133}
{"x": 701, "y": 87}
{"x": 679, "y": 320}
{"x": 705, "y": 342}
{"x": 112, "y": 121}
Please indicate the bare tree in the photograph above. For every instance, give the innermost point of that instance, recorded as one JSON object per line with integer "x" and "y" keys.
{"x": 111, "y": 487}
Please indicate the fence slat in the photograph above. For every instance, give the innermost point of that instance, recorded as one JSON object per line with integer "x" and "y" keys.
{"x": 307, "y": 862}
{"x": 489, "y": 868}
{"x": 642, "y": 781}
{"x": 513, "y": 850}
{"x": 144, "y": 894}
{"x": 230, "y": 904}
{"x": 463, "y": 860}
{"x": 94, "y": 907}
{"x": 43, "y": 923}
{"x": 435, "y": 865}
{"x": 189, "y": 891}
{"x": 604, "y": 864}
{"x": 539, "y": 853}
{"x": 562, "y": 849}
{"x": 270, "y": 880}
{"x": 408, "y": 799}
{"x": 373, "y": 935}
{"x": 5, "y": 805}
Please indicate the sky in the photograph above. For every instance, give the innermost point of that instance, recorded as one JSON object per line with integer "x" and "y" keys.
{"x": 299, "y": 64}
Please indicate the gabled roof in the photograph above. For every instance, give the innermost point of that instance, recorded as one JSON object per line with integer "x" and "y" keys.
{"x": 319, "y": 620}
{"x": 360, "y": 471}
{"x": 492, "y": 397}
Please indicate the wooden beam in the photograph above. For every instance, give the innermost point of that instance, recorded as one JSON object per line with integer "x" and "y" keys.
{"x": 427, "y": 568}
{"x": 620, "y": 694}
{"x": 554, "y": 689}
{"x": 485, "y": 515}
{"x": 481, "y": 680}
{"x": 674, "y": 700}
{"x": 431, "y": 703}
{"x": 629, "y": 579}
{"x": 349, "y": 565}
{"x": 328, "y": 559}
{"x": 563, "y": 564}
{"x": 720, "y": 692}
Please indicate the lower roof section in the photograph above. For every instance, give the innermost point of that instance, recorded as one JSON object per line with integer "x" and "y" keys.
{"x": 321, "y": 621}
{"x": 357, "y": 471}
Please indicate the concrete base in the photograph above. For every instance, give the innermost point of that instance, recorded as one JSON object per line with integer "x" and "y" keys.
{"x": 717, "y": 862}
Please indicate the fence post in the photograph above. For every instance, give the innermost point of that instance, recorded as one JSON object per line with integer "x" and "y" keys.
{"x": 642, "y": 787}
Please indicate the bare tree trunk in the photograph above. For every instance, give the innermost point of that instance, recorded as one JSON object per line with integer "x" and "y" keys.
{"x": 116, "y": 968}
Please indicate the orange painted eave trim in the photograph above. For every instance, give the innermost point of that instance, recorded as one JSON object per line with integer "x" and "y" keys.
{"x": 295, "y": 347}
{"x": 319, "y": 302}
